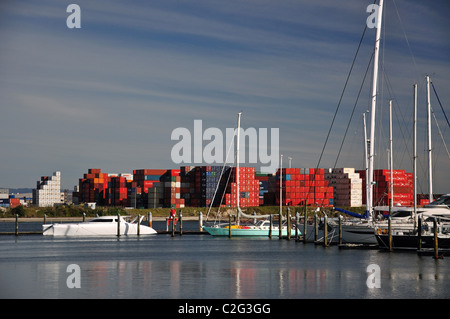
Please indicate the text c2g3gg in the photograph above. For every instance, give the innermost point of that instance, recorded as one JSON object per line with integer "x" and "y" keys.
{"x": 246, "y": 308}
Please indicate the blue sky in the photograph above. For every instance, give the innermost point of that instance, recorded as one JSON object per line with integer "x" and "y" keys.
{"x": 110, "y": 94}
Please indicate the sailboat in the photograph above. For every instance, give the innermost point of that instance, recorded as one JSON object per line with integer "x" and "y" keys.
{"x": 415, "y": 234}
{"x": 361, "y": 231}
{"x": 261, "y": 228}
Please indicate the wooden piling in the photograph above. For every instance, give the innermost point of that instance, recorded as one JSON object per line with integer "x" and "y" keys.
{"x": 419, "y": 233}
{"x": 45, "y": 219}
{"x": 118, "y": 225}
{"x": 305, "y": 224}
{"x": 271, "y": 224}
{"x": 390, "y": 233}
{"x": 200, "y": 221}
{"x": 229, "y": 226}
{"x": 173, "y": 225}
{"x": 436, "y": 244}
{"x": 17, "y": 225}
{"x": 288, "y": 224}
{"x": 316, "y": 228}
{"x": 340, "y": 229}
{"x": 181, "y": 223}
{"x": 297, "y": 220}
{"x": 280, "y": 225}
{"x": 139, "y": 225}
{"x": 325, "y": 231}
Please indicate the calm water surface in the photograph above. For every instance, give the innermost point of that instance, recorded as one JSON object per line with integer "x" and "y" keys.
{"x": 202, "y": 266}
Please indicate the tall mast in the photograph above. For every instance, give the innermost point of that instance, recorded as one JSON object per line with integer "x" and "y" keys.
{"x": 366, "y": 161}
{"x": 415, "y": 152}
{"x": 373, "y": 108}
{"x": 237, "y": 166}
{"x": 391, "y": 163}
{"x": 430, "y": 170}
{"x": 281, "y": 183}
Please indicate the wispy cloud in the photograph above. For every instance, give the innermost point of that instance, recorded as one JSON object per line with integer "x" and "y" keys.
{"x": 137, "y": 70}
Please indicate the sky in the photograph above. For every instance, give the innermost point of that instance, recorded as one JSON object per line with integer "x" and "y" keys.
{"x": 109, "y": 94}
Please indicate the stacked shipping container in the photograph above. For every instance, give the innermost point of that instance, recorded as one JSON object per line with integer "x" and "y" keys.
{"x": 300, "y": 185}
{"x": 402, "y": 187}
{"x": 248, "y": 188}
{"x": 347, "y": 186}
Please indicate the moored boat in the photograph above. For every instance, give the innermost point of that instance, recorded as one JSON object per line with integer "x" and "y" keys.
{"x": 100, "y": 226}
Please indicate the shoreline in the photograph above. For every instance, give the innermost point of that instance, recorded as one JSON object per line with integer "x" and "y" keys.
{"x": 80, "y": 219}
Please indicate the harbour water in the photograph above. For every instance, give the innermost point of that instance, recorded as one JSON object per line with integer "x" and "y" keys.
{"x": 202, "y": 266}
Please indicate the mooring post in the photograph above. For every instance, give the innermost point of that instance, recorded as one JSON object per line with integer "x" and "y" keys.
{"x": 173, "y": 225}
{"x": 229, "y": 226}
{"x": 200, "y": 221}
{"x": 297, "y": 219}
{"x": 280, "y": 225}
{"x": 305, "y": 223}
{"x": 419, "y": 233}
{"x": 150, "y": 219}
{"x": 118, "y": 225}
{"x": 340, "y": 230}
{"x": 181, "y": 223}
{"x": 316, "y": 227}
{"x": 325, "y": 231}
{"x": 288, "y": 224}
{"x": 270, "y": 225}
{"x": 84, "y": 217}
{"x": 45, "y": 218}
{"x": 390, "y": 233}
{"x": 138, "y": 225}
{"x": 436, "y": 244}
{"x": 17, "y": 224}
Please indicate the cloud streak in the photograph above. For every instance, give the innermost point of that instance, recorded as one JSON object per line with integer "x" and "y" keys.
{"x": 109, "y": 94}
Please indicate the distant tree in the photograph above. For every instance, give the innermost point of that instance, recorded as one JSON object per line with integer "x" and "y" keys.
{"x": 19, "y": 210}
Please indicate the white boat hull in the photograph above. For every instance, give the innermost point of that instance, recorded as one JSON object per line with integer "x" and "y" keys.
{"x": 247, "y": 231}
{"x": 96, "y": 228}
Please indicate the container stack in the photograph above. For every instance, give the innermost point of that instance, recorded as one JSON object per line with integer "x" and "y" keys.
{"x": 347, "y": 186}
{"x": 172, "y": 188}
{"x": 199, "y": 184}
{"x": 48, "y": 190}
{"x": 300, "y": 185}
{"x": 248, "y": 188}
{"x": 210, "y": 182}
{"x": 263, "y": 180}
{"x": 118, "y": 191}
{"x": 402, "y": 187}
{"x": 152, "y": 186}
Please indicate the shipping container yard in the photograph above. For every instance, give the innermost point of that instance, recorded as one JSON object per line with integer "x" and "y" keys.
{"x": 216, "y": 186}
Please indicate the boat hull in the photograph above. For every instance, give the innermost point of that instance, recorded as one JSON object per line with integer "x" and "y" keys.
{"x": 411, "y": 241}
{"x": 240, "y": 232}
{"x": 94, "y": 229}
{"x": 357, "y": 234}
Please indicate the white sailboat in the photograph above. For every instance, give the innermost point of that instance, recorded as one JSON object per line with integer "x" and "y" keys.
{"x": 100, "y": 226}
{"x": 361, "y": 231}
{"x": 261, "y": 228}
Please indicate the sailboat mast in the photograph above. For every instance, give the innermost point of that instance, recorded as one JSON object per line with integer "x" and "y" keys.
{"x": 373, "y": 108}
{"x": 237, "y": 166}
{"x": 391, "y": 163}
{"x": 415, "y": 152}
{"x": 430, "y": 174}
{"x": 281, "y": 184}
{"x": 366, "y": 161}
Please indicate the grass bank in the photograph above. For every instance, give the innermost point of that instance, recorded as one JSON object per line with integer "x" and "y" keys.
{"x": 77, "y": 211}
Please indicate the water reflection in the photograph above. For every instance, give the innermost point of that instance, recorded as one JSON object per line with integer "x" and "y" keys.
{"x": 206, "y": 267}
